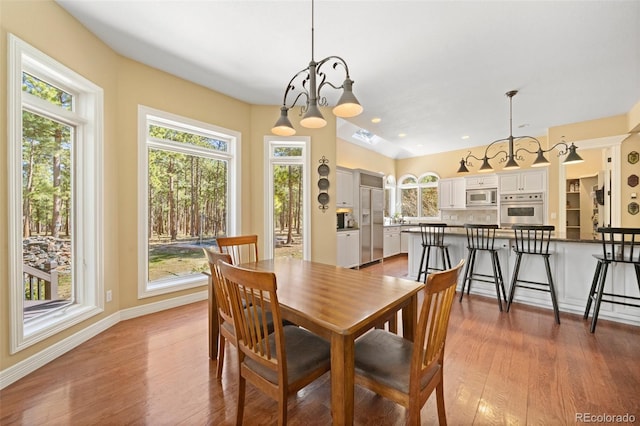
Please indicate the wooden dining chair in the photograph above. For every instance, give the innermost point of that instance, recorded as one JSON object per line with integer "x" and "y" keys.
{"x": 218, "y": 293}
{"x": 241, "y": 248}
{"x": 407, "y": 372}
{"x": 278, "y": 363}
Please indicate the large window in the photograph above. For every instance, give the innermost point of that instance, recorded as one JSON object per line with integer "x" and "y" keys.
{"x": 419, "y": 196}
{"x": 286, "y": 199}
{"x": 187, "y": 198}
{"x": 55, "y": 196}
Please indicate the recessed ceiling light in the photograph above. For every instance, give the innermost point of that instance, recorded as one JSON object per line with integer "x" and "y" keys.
{"x": 376, "y": 119}
{"x": 402, "y": 135}
{"x": 465, "y": 137}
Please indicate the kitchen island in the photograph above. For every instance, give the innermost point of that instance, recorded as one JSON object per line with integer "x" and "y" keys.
{"x": 572, "y": 267}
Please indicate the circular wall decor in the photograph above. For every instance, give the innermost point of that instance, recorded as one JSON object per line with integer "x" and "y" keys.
{"x": 633, "y": 208}
{"x": 633, "y": 157}
{"x": 323, "y": 170}
{"x": 323, "y": 184}
{"x": 632, "y": 181}
{"x": 323, "y": 198}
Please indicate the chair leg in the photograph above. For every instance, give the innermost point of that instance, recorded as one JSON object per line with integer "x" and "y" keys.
{"x": 514, "y": 279}
{"x": 426, "y": 266}
{"x": 221, "y": 342}
{"x": 446, "y": 253}
{"x": 241, "y": 391}
{"x": 282, "y": 406}
{"x": 471, "y": 269}
{"x": 495, "y": 266}
{"x": 442, "y": 415}
{"x": 500, "y": 278}
{"x": 599, "y": 291}
{"x": 464, "y": 276}
{"x": 552, "y": 289}
{"x": 592, "y": 291}
{"x": 424, "y": 248}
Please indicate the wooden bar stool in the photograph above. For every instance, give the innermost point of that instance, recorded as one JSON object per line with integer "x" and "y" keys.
{"x": 481, "y": 238}
{"x": 433, "y": 236}
{"x": 533, "y": 240}
{"x": 619, "y": 245}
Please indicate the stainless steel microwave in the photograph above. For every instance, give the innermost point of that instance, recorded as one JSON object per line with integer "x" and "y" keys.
{"x": 482, "y": 197}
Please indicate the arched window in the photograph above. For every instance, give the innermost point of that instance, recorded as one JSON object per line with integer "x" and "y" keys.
{"x": 419, "y": 196}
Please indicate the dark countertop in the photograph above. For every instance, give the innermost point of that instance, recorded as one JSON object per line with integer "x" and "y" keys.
{"x": 508, "y": 233}
{"x": 347, "y": 229}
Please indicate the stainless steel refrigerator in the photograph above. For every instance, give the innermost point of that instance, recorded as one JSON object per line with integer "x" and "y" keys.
{"x": 371, "y": 224}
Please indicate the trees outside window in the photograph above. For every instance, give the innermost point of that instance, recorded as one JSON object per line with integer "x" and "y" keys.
{"x": 187, "y": 182}
{"x": 419, "y": 196}
{"x": 55, "y": 193}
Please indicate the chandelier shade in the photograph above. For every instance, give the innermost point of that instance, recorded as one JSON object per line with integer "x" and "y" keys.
{"x": 512, "y": 155}
{"x": 306, "y": 85}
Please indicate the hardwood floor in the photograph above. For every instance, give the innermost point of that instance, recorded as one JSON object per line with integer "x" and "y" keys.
{"x": 500, "y": 368}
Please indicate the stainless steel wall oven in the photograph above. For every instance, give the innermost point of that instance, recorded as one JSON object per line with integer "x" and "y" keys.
{"x": 521, "y": 209}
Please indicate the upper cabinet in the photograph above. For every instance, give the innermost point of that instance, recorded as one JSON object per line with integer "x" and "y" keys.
{"x": 529, "y": 181}
{"x": 344, "y": 188}
{"x": 481, "y": 181}
{"x": 452, "y": 193}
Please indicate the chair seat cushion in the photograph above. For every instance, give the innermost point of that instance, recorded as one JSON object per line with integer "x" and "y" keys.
{"x": 305, "y": 352}
{"x": 386, "y": 358}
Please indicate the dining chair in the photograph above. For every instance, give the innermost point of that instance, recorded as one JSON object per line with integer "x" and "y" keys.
{"x": 408, "y": 372}
{"x": 279, "y": 363}
{"x": 225, "y": 321}
{"x": 241, "y": 248}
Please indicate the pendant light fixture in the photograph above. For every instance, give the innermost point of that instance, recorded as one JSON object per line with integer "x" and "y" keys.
{"x": 306, "y": 86}
{"x": 512, "y": 156}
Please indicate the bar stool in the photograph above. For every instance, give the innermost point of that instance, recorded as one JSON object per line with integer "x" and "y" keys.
{"x": 534, "y": 240}
{"x": 619, "y": 245}
{"x": 433, "y": 236}
{"x": 481, "y": 238}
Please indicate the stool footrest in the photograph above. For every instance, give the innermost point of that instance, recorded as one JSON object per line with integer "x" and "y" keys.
{"x": 548, "y": 289}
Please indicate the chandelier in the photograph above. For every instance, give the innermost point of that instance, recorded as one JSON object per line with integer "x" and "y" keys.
{"x": 306, "y": 86}
{"x": 513, "y": 154}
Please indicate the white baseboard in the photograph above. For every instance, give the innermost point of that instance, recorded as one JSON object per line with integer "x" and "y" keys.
{"x": 31, "y": 364}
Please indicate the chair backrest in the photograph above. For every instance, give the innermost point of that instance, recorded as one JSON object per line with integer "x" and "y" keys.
{"x": 480, "y": 237}
{"x": 432, "y": 234}
{"x": 241, "y": 248}
{"x": 621, "y": 244}
{"x": 257, "y": 290}
{"x": 219, "y": 289}
{"x": 533, "y": 239}
{"x": 433, "y": 322}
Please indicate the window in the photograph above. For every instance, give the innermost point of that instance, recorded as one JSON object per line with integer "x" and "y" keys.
{"x": 187, "y": 198}
{"x": 55, "y": 193}
{"x": 389, "y": 196}
{"x": 286, "y": 183}
{"x": 419, "y": 196}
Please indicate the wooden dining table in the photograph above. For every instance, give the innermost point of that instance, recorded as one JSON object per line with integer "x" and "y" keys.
{"x": 338, "y": 304}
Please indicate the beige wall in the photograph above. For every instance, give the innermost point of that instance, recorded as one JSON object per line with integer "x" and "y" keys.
{"x": 353, "y": 156}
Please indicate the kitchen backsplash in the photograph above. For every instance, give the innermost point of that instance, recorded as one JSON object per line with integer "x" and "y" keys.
{"x": 460, "y": 217}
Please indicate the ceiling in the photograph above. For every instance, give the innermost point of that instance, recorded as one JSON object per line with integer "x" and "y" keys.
{"x": 435, "y": 71}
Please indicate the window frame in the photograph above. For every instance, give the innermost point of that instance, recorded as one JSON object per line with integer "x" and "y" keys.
{"x": 419, "y": 186}
{"x": 147, "y": 116}
{"x": 87, "y": 199}
{"x": 271, "y": 143}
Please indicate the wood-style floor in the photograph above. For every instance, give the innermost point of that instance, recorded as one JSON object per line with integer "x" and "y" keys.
{"x": 501, "y": 368}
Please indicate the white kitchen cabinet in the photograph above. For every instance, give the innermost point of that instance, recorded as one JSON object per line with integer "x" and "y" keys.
{"x": 451, "y": 193}
{"x": 404, "y": 239}
{"x": 344, "y": 188}
{"x": 348, "y": 249}
{"x": 481, "y": 181}
{"x": 529, "y": 181}
{"x": 392, "y": 243}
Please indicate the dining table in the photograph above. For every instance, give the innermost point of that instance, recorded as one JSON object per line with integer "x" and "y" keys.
{"x": 338, "y": 304}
